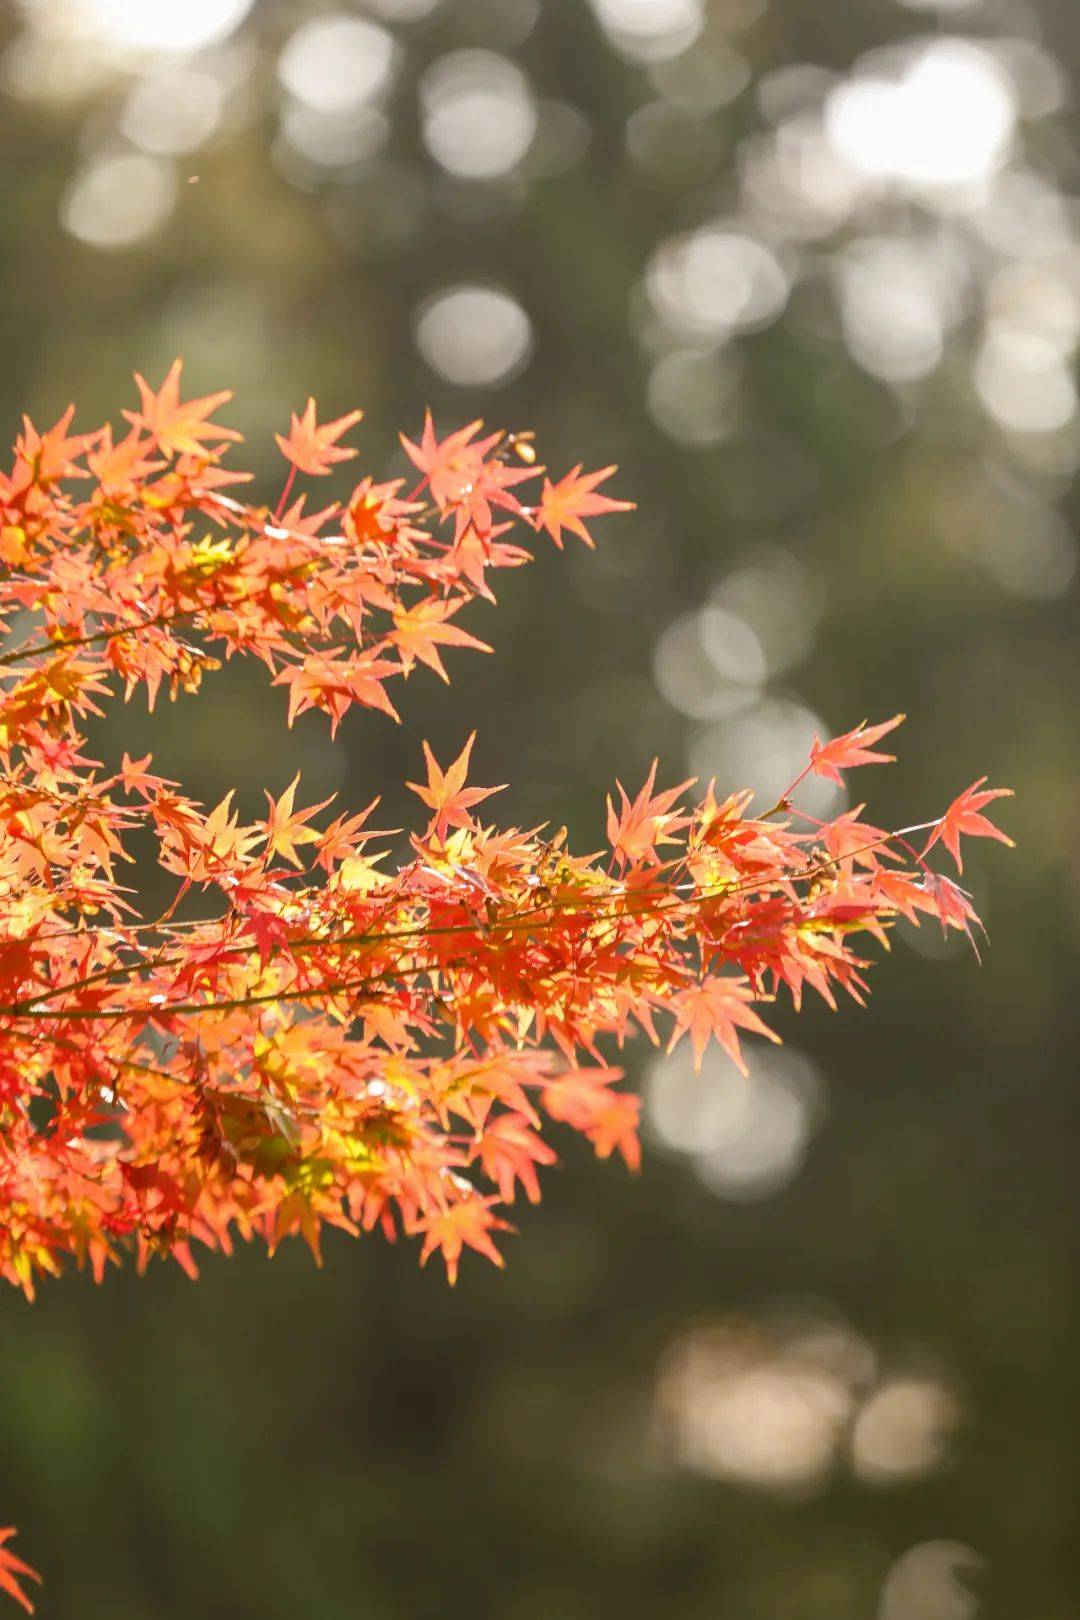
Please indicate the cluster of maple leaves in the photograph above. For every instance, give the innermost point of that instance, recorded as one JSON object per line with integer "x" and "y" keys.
{"x": 343, "y": 1044}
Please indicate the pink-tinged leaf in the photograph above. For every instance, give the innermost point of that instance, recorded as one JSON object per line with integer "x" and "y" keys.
{"x": 313, "y": 449}
{"x": 180, "y": 426}
{"x": 568, "y": 503}
{"x": 964, "y": 818}
{"x": 853, "y": 748}
{"x": 510, "y": 1152}
{"x": 717, "y": 1009}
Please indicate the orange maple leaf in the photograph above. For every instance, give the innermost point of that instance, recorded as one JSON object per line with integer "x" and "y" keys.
{"x": 717, "y": 1008}
{"x": 464, "y": 475}
{"x": 10, "y": 1568}
{"x": 51, "y": 455}
{"x": 177, "y": 425}
{"x": 963, "y": 817}
{"x": 565, "y": 505}
{"x": 584, "y": 1100}
{"x": 468, "y": 1222}
{"x": 285, "y": 827}
{"x": 118, "y": 467}
{"x": 327, "y": 681}
{"x": 509, "y": 1151}
{"x": 635, "y": 830}
{"x": 446, "y": 794}
{"x": 853, "y": 748}
{"x": 313, "y": 449}
{"x": 420, "y": 630}
{"x": 450, "y": 463}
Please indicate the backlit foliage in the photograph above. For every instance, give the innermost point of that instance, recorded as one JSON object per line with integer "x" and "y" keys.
{"x": 344, "y": 1043}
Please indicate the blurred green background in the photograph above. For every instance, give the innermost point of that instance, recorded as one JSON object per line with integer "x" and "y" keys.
{"x": 811, "y": 274}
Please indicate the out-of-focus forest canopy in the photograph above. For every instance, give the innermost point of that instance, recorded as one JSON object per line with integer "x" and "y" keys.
{"x": 811, "y": 274}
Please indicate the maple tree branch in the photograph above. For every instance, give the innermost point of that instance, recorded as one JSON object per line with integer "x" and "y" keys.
{"x": 156, "y": 1011}
{"x": 103, "y": 636}
{"x": 538, "y": 948}
{"x": 516, "y": 922}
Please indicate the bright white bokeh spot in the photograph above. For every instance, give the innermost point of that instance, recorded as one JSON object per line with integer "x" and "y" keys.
{"x": 118, "y": 201}
{"x": 780, "y": 600}
{"x": 1039, "y": 299}
{"x": 947, "y": 120}
{"x": 898, "y": 298}
{"x": 765, "y": 749}
{"x": 1023, "y": 383}
{"x": 479, "y": 114}
{"x": 902, "y": 1430}
{"x": 758, "y": 1407}
{"x": 766, "y": 1146}
{"x": 715, "y": 281}
{"x": 173, "y": 112}
{"x": 927, "y": 1583}
{"x": 691, "y": 393}
{"x": 687, "y": 1110}
{"x": 709, "y": 665}
{"x": 768, "y": 1426}
{"x": 651, "y": 30}
{"x": 1024, "y": 216}
{"x": 688, "y": 677}
{"x": 795, "y": 179}
{"x": 476, "y": 337}
{"x": 163, "y": 25}
{"x": 732, "y": 646}
{"x": 746, "y": 1134}
{"x": 335, "y": 140}
{"x": 402, "y": 10}
{"x": 337, "y": 63}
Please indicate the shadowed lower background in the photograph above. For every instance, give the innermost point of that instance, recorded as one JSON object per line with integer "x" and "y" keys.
{"x": 811, "y": 275}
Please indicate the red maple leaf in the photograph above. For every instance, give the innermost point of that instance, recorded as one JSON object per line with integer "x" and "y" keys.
{"x": 953, "y": 907}
{"x": 10, "y": 1568}
{"x": 450, "y": 464}
{"x": 853, "y": 748}
{"x": 465, "y": 476}
{"x": 963, "y": 817}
